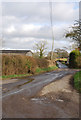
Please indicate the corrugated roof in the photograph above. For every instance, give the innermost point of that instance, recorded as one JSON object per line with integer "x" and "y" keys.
{"x": 15, "y": 51}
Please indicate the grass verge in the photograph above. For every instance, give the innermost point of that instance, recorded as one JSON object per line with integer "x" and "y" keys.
{"x": 15, "y": 76}
{"x": 40, "y": 70}
{"x": 77, "y": 81}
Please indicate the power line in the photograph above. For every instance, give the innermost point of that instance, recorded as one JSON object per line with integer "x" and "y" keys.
{"x": 51, "y": 20}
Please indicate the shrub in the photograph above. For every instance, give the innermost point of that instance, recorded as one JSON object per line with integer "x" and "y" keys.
{"x": 78, "y": 60}
{"x": 73, "y": 59}
{"x": 31, "y": 64}
{"x": 18, "y": 64}
{"x": 42, "y": 62}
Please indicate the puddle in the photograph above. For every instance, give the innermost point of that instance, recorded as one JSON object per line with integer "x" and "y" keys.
{"x": 41, "y": 100}
{"x": 5, "y": 90}
{"x": 60, "y": 65}
{"x": 25, "y": 83}
{"x": 37, "y": 100}
{"x": 59, "y": 100}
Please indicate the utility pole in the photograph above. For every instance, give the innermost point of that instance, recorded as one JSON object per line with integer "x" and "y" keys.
{"x": 51, "y": 20}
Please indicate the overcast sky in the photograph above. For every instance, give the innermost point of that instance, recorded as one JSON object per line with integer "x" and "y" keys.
{"x": 25, "y": 23}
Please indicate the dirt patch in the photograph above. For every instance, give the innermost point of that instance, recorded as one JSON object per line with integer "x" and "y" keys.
{"x": 60, "y": 85}
{"x": 63, "y": 95}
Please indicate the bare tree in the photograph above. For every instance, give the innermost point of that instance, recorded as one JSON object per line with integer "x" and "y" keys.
{"x": 61, "y": 53}
{"x": 40, "y": 48}
{"x": 55, "y": 55}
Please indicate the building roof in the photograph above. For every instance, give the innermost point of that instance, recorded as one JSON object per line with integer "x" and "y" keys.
{"x": 15, "y": 51}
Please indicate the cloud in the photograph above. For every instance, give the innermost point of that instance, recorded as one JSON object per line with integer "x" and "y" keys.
{"x": 40, "y": 12}
{"x": 35, "y": 31}
{"x": 40, "y": 1}
{"x": 25, "y": 23}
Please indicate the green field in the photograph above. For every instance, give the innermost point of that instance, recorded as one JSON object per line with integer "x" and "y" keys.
{"x": 62, "y": 59}
{"x": 77, "y": 81}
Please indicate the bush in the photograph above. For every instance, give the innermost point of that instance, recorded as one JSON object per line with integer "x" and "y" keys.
{"x": 18, "y": 64}
{"x": 78, "y": 60}
{"x": 42, "y": 62}
{"x": 74, "y": 59}
{"x": 31, "y": 64}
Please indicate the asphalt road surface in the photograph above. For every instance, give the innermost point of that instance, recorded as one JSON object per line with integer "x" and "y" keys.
{"x": 18, "y": 96}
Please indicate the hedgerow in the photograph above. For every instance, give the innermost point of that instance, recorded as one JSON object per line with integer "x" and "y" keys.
{"x": 74, "y": 59}
{"x": 21, "y": 64}
{"x": 18, "y": 64}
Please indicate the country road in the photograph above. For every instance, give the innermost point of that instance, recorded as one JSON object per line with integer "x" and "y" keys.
{"x": 31, "y": 85}
{"x": 18, "y": 96}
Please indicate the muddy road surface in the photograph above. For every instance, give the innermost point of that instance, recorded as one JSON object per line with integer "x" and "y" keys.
{"x": 21, "y": 99}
